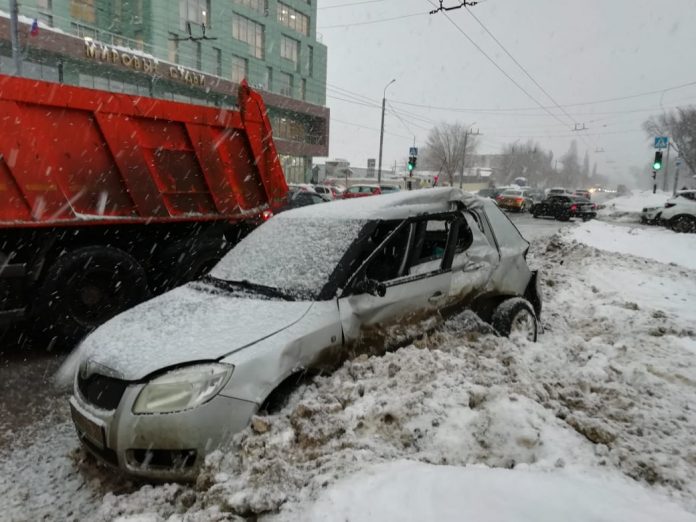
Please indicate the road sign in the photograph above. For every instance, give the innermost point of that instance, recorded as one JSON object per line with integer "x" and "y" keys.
{"x": 661, "y": 142}
{"x": 413, "y": 151}
{"x": 678, "y": 162}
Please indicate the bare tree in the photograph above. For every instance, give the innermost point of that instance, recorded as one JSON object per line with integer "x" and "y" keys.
{"x": 447, "y": 148}
{"x": 680, "y": 125}
{"x": 527, "y": 160}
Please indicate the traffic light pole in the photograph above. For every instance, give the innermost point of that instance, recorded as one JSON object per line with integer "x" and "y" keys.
{"x": 654, "y": 181}
{"x": 664, "y": 180}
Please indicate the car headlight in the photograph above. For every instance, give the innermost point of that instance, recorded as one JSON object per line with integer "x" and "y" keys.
{"x": 182, "y": 389}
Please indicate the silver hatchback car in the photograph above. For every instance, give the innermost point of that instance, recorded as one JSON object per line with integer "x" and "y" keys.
{"x": 161, "y": 385}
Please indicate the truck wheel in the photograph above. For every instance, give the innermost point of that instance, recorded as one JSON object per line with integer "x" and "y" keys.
{"x": 683, "y": 224}
{"x": 514, "y": 317}
{"x": 86, "y": 287}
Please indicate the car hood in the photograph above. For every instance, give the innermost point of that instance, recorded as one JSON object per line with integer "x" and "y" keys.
{"x": 191, "y": 323}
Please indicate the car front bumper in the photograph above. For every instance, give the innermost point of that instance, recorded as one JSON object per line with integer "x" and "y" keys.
{"x": 651, "y": 215}
{"x": 160, "y": 446}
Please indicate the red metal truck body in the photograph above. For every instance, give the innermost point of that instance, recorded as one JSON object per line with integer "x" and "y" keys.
{"x": 150, "y": 179}
{"x": 70, "y": 155}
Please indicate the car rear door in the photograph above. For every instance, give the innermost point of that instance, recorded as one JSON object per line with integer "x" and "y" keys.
{"x": 416, "y": 274}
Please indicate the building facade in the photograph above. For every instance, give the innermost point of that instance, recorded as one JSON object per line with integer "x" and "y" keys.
{"x": 188, "y": 50}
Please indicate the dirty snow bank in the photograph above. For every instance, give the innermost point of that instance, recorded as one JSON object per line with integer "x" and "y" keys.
{"x": 608, "y": 390}
{"x": 629, "y": 207}
{"x": 656, "y": 243}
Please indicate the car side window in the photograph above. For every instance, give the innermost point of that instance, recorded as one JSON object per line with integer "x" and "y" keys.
{"x": 505, "y": 232}
{"x": 354, "y": 190}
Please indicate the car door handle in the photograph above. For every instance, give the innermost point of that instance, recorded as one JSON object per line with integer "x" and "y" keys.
{"x": 436, "y": 297}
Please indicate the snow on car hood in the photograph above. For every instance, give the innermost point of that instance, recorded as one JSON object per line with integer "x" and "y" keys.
{"x": 191, "y": 323}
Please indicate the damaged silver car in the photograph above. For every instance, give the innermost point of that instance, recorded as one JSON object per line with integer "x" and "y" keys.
{"x": 163, "y": 384}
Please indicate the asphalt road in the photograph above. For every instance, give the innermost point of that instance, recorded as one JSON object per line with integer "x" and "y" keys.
{"x": 27, "y": 390}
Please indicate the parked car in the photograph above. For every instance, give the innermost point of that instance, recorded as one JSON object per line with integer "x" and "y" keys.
{"x": 361, "y": 191}
{"x": 324, "y": 190}
{"x": 519, "y": 200}
{"x": 558, "y": 191}
{"x": 678, "y": 213}
{"x": 537, "y": 195}
{"x": 487, "y": 193}
{"x": 163, "y": 384}
{"x": 563, "y": 208}
{"x": 302, "y": 198}
{"x": 583, "y": 194}
{"x": 389, "y": 189}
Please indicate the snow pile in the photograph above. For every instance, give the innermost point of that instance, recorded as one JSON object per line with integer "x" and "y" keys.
{"x": 629, "y": 207}
{"x": 409, "y": 491}
{"x": 658, "y": 243}
{"x": 608, "y": 390}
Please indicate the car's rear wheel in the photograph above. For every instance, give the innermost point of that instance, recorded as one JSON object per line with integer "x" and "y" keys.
{"x": 515, "y": 318}
{"x": 683, "y": 224}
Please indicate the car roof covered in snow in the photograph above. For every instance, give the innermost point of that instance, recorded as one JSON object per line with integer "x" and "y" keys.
{"x": 400, "y": 205}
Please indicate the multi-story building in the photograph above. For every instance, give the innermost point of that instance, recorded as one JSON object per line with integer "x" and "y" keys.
{"x": 188, "y": 50}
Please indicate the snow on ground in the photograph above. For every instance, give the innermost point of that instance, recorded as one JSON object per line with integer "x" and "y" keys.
{"x": 629, "y": 207}
{"x": 655, "y": 243}
{"x": 600, "y": 410}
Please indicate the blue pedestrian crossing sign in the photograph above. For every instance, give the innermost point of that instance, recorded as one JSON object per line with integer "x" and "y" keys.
{"x": 661, "y": 142}
{"x": 413, "y": 151}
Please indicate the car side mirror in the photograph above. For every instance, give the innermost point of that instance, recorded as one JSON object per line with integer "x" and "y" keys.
{"x": 370, "y": 286}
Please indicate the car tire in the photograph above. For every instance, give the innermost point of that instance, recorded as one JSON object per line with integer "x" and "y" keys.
{"x": 84, "y": 288}
{"x": 683, "y": 224}
{"x": 516, "y": 315}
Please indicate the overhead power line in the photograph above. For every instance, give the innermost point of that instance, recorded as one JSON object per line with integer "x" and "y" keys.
{"x": 350, "y": 4}
{"x": 497, "y": 66}
{"x": 370, "y": 22}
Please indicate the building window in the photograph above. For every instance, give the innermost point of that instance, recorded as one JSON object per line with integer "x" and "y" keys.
{"x": 218, "y": 61}
{"x": 290, "y": 49}
{"x": 199, "y": 56}
{"x": 303, "y": 89}
{"x": 139, "y": 41}
{"x": 250, "y": 32}
{"x": 310, "y": 62}
{"x": 83, "y": 10}
{"x": 194, "y": 11}
{"x": 173, "y": 48}
{"x": 239, "y": 68}
{"x": 83, "y": 30}
{"x": 285, "y": 81}
{"x": 268, "y": 79}
{"x": 293, "y": 19}
{"x": 260, "y": 6}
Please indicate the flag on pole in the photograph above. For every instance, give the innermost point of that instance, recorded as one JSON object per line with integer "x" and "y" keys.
{"x": 34, "y": 27}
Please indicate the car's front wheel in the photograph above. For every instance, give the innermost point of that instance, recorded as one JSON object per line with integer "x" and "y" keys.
{"x": 683, "y": 223}
{"x": 515, "y": 317}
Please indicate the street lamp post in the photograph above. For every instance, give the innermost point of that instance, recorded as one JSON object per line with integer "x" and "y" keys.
{"x": 466, "y": 139}
{"x": 14, "y": 34}
{"x": 381, "y": 133}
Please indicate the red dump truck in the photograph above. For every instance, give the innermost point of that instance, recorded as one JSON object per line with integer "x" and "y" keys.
{"x": 106, "y": 199}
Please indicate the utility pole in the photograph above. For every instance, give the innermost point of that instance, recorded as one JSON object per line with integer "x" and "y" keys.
{"x": 676, "y": 177}
{"x": 14, "y": 32}
{"x": 466, "y": 139}
{"x": 664, "y": 179}
{"x": 381, "y": 133}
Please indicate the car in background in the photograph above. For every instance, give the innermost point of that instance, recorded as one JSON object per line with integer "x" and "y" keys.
{"x": 518, "y": 200}
{"x": 678, "y": 213}
{"x": 163, "y": 384}
{"x": 487, "y": 193}
{"x": 324, "y": 190}
{"x": 558, "y": 191}
{"x": 389, "y": 189}
{"x": 565, "y": 207}
{"x": 537, "y": 195}
{"x": 583, "y": 193}
{"x": 361, "y": 191}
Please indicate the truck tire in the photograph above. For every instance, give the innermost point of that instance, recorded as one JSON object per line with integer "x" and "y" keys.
{"x": 516, "y": 315}
{"x": 84, "y": 288}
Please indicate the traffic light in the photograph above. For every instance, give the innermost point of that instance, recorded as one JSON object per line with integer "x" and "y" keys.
{"x": 412, "y": 163}
{"x": 657, "y": 165}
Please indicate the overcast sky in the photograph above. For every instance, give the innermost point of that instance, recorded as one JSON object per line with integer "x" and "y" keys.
{"x": 578, "y": 51}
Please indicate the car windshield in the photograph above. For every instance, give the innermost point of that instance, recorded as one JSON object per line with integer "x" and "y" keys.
{"x": 516, "y": 193}
{"x": 294, "y": 256}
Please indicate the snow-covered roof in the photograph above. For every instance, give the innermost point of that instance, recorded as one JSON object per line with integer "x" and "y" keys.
{"x": 400, "y": 205}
